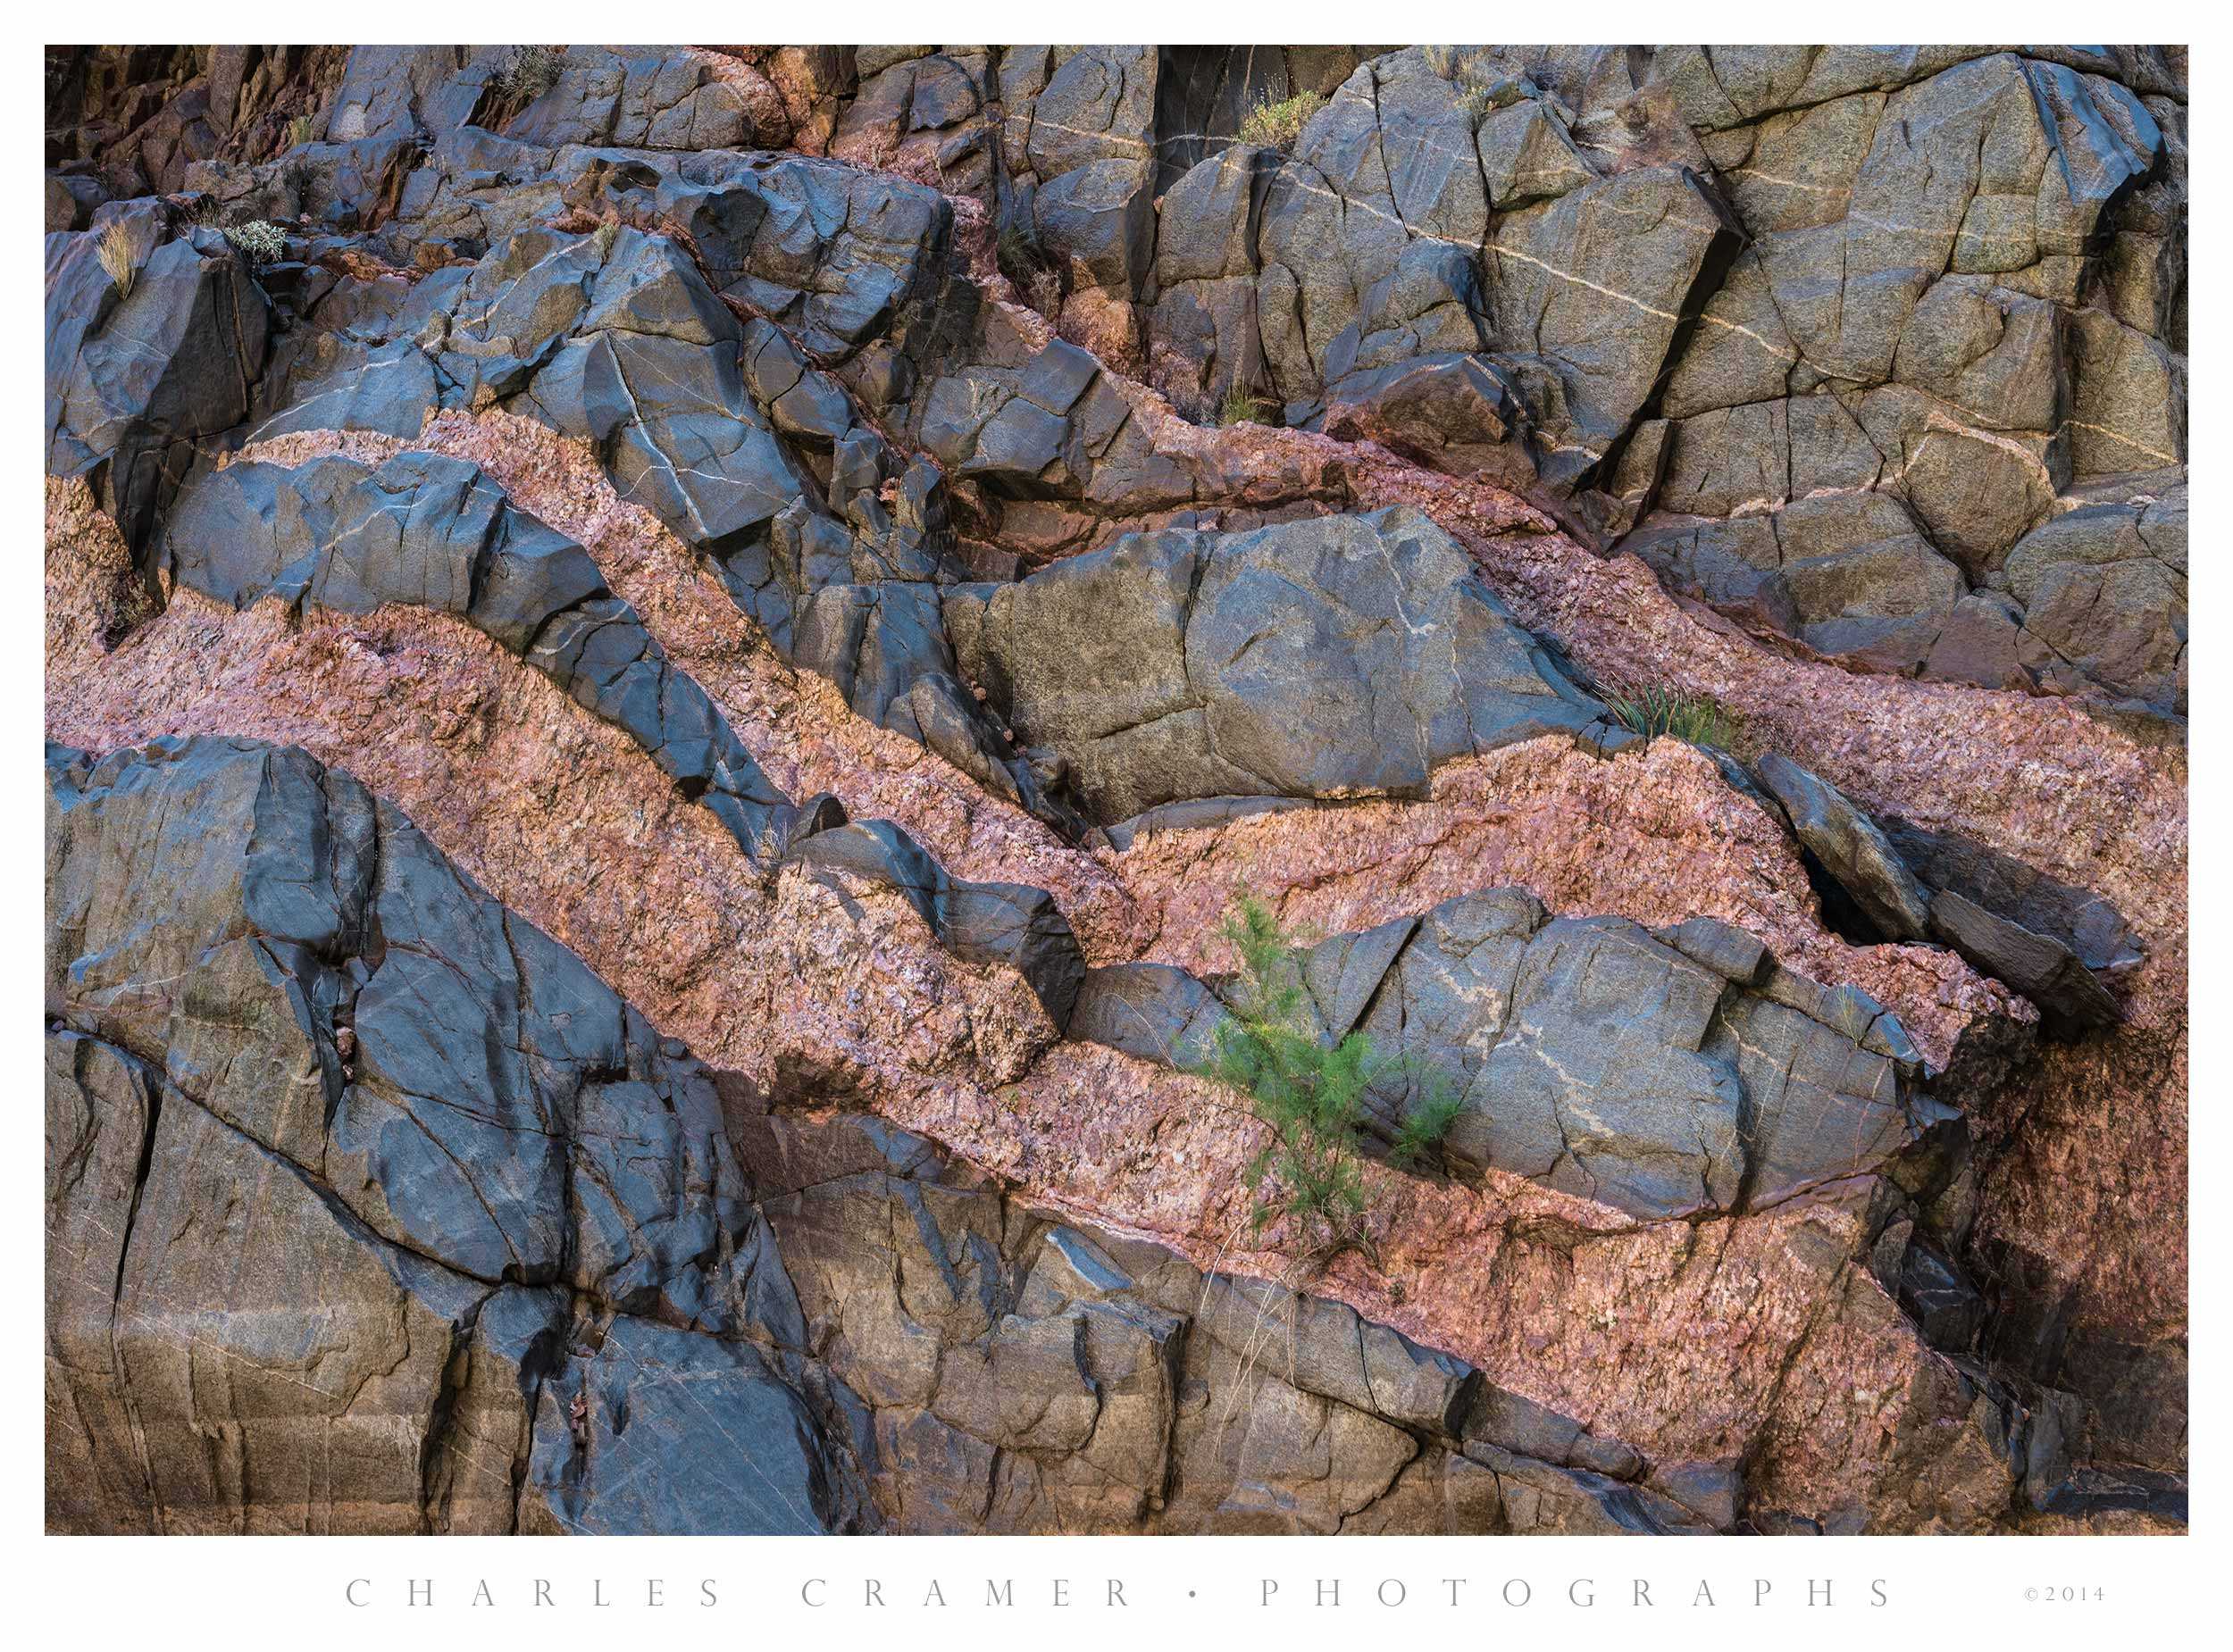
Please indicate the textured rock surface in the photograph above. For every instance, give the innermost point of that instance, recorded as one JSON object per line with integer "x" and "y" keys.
{"x": 721, "y": 556}
{"x": 1661, "y": 1075}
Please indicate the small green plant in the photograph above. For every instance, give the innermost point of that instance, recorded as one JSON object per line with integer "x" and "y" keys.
{"x": 528, "y": 72}
{"x": 1311, "y": 1093}
{"x": 1654, "y": 712}
{"x": 298, "y": 130}
{"x": 603, "y": 236}
{"x": 1243, "y": 406}
{"x": 1312, "y": 1096}
{"x": 1279, "y": 125}
{"x": 1419, "y": 1142}
{"x": 117, "y": 257}
{"x": 259, "y": 241}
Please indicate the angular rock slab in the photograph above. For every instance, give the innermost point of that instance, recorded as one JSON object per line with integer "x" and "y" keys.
{"x": 315, "y": 1099}
{"x": 1332, "y": 657}
{"x": 1852, "y": 848}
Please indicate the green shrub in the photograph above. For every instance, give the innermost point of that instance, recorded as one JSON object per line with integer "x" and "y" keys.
{"x": 1310, "y": 1094}
{"x": 298, "y": 131}
{"x": 1243, "y": 406}
{"x": 258, "y": 241}
{"x": 1278, "y": 125}
{"x": 116, "y": 254}
{"x": 1654, "y": 712}
{"x": 1425, "y": 1128}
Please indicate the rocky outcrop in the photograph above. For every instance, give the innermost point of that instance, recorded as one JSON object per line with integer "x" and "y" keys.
{"x": 313, "y": 1094}
{"x": 663, "y": 678}
{"x": 1312, "y": 659}
{"x": 322, "y": 1112}
{"x": 1661, "y": 1076}
{"x": 427, "y": 531}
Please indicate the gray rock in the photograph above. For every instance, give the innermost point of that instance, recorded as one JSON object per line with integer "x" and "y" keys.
{"x": 1012, "y": 924}
{"x": 1026, "y": 1374}
{"x": 2036, "y": 965}
{"x": 135, "y": 379}
{"x": 1183, "y": 664}
{"x": 1851, "y": 846}
{"x": 320, "y": 1100}
{"x": 1662, "y": 1076}
{"x": 432, "y": 531}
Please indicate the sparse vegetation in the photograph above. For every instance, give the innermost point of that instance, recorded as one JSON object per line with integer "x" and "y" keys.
{"x": 1278, "y": 125}
{"x": 118, "y": 256}
{"x": 1243, "y": 406}
{"x": 1442, "y": 60}
{"x": 1016, "y": 252}
{"x": 1654, "y": 712}
{"x": 1311, "y": 1093}
{"x": 1419, "y": 1142}
{"x": 298, "y": 131}
{"x": 1019, "y": 257}
{"x": 259, "y": 241}
{"x": 604, "y": 236}
{"x": 528, "y": 72}
{"x": 1475, "y": 103}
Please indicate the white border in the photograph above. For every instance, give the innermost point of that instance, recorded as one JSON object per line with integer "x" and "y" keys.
{"x": 190, "y": 1592}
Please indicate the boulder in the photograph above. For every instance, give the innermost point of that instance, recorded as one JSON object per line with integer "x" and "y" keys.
{"x": 1325, "y": 657}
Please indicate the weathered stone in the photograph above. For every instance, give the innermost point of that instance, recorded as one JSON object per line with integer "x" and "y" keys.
{"x": 1370, "y": 633}
{"x": 1851, "y": 846}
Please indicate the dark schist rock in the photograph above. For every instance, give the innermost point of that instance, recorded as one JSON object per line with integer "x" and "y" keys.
{"x": 1662, "y": 1074}
{"x": 401, "y": 1163}
{"x": 1851, "y": 848}
{"x": 1837, "y": 347}
{"x": 733, "y": 432}
{"x": 478, "y": 1254}
{"x": 1017, "y": 1371}
{"x": 435, "y": 532}
{"x": 2038, "y": 967}
{"x": 1337, "y": 655}
{"x": 2042, "y": 937}
{"x": 141, "y": 370}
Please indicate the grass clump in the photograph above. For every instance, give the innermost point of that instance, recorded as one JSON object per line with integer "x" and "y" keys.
{"x": 1019, "y": 257}
{"x": 1311, "y": 1093}
{"x": 259, "y": 241}
{"x": 528, "y": 72}
{"x": 1278, "y": 125}
{"x": 1243, "y": 406}
{"x": 117, "y": 257}
{"x": 1692, "y": 717}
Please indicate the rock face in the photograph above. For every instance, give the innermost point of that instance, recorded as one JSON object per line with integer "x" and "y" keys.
{"x": 1662, "y": 1076}
{"x": 661, "y": 662}
{"x": 312, "y": 1100}
{"x": 1313, "y": 659}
